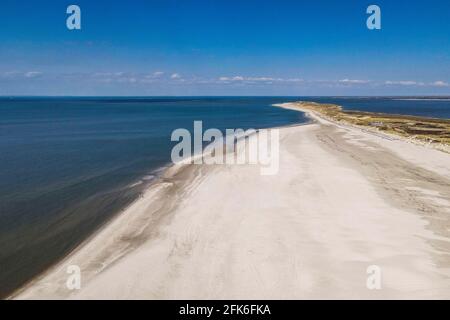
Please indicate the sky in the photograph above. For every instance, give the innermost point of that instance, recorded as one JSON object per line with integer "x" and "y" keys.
{"x": 218, "y": 47}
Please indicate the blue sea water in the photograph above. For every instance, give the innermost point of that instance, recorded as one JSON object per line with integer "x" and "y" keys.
{"x": 67, "y": 165}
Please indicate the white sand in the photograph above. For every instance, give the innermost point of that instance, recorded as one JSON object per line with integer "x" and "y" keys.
{"x": 343, "y": 200}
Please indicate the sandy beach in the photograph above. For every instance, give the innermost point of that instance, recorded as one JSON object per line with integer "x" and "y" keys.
{"x": 343, "y": 200}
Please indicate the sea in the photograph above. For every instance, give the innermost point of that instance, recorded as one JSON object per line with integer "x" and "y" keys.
{"x": 70, "y": 164}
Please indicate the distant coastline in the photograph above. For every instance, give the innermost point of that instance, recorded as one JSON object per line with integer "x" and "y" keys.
{"x": 433, "y": 132}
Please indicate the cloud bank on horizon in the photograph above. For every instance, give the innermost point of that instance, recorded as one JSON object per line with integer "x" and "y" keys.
{"x": 225, "y": 48}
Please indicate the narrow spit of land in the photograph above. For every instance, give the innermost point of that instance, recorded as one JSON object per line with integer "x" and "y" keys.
{"x": 344, "y": 199}
{"x": 431, "y": 131}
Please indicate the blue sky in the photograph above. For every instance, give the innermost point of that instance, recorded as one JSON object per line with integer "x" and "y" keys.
{"x": 217, "y": 47}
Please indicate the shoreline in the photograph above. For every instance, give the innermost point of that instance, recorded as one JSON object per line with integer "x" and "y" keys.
{"x": 339, "y": 116}
{"x": 167, "y": 173}
{"x": 160, "y": 177}
{"x": 395, "y": 143}
{"x": 169, "y": 227}
{"x": 146, "y": 182}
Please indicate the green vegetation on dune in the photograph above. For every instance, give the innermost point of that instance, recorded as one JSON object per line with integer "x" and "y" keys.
{"x": 429, "y": 130}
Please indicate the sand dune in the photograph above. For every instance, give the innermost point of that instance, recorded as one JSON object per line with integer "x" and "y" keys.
{"x": 343, "y": 200}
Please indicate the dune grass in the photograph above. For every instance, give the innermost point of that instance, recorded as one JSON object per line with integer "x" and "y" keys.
{"x": 429, "y": 130}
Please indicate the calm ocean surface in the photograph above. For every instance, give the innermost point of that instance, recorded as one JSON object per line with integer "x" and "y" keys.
{"x": 67, "y": 165}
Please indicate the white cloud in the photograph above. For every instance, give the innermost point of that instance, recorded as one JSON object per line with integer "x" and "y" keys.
{"x": 235, "y": 78}
{"x": 160, "y": 77}
{"x": 264, "y": 79}
{"x": 258, "y": 79}
{"x": 417, "y": 83}
{"x": 440, "y": 84}
{"x": 17, "y": 74}
{"x": 353, "y": 81}
{"x": 11, "y": 74}
{"x": 32, "y": 74}
{"x": 149, "y": 78}
{"x": 403, "y": 83}
{"x": 294, "y": 80}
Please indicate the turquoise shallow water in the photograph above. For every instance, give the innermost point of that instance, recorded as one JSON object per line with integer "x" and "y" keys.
{"x": 67, "y": 165}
